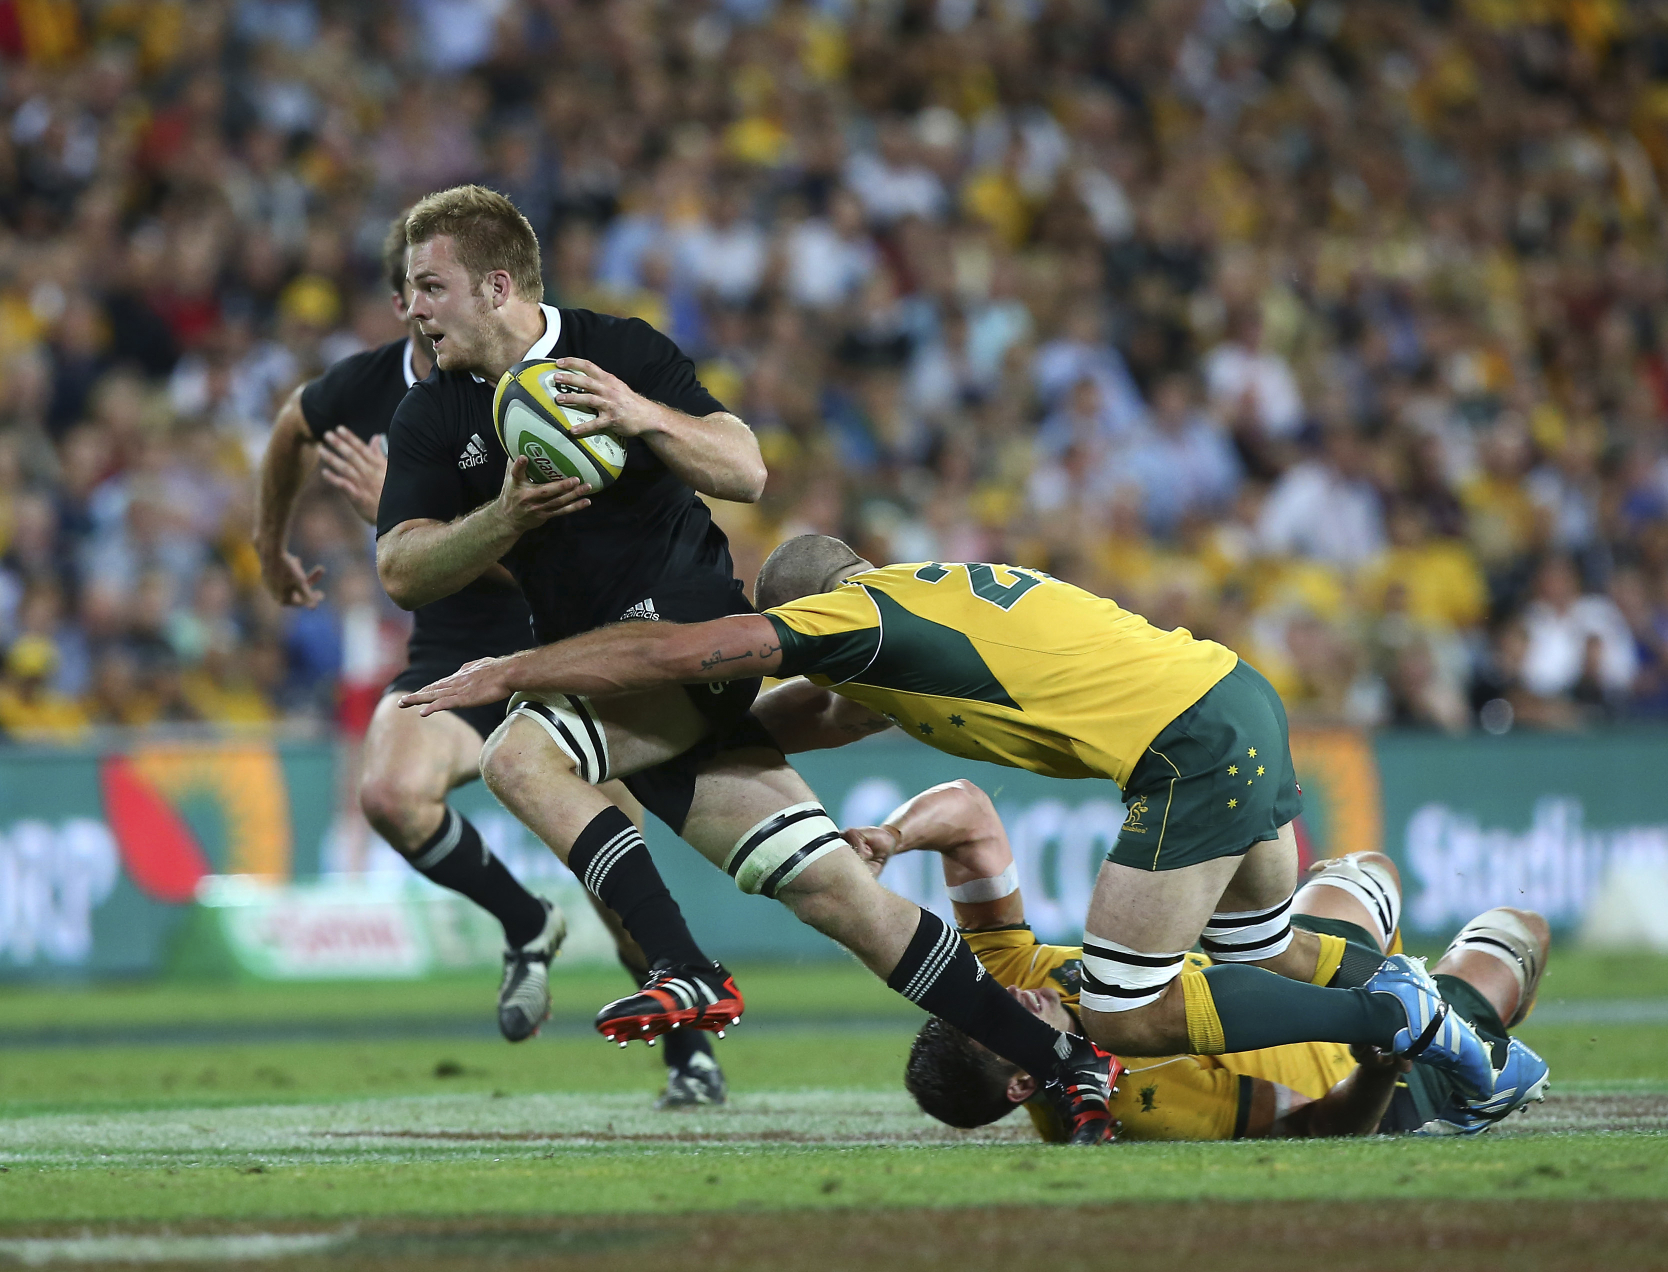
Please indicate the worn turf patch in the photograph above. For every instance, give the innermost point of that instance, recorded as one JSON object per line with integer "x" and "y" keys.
{"x": 1340, "y": 1236}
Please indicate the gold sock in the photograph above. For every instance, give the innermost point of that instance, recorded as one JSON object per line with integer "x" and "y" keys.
{"x": 1204, "y": 1026}
{"x": 1331, "y": 954}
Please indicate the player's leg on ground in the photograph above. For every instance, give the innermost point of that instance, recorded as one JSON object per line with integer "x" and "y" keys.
{"x": 1362, "y": 889}
{"x": 1138, "y": 1000}
{"x": 411, "y": 762}
{"x": 742, "y": 794}
{"x": 1501, "y": 954}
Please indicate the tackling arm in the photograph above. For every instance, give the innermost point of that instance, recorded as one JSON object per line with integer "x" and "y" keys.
{"x": 802, "y": 716}
{"x": 291, "y": 453}
{"x": 1355, "y": 1106}
{"x": 613, "y": 660}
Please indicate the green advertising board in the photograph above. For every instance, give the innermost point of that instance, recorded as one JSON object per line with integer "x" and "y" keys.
{"x": 103, "y": 853}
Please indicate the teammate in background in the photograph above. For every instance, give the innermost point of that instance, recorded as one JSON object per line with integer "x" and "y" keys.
{"x": 1011, "y": 666}
{"x": 1490, "y": 972}
{"x": 340, "y": 421}
{"x": 642, "y": 550}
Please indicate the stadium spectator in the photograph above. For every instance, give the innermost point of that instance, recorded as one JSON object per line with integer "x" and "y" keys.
{"x": 956, "y": 260}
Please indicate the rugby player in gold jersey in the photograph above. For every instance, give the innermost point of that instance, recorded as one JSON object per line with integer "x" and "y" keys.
{"x": 1491, "y": 972}
{"x": 1011, "y": 666}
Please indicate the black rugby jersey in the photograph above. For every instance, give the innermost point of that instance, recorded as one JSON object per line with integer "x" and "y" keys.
{"x": 646, "y": 548}
{"x": 361, "y": 393}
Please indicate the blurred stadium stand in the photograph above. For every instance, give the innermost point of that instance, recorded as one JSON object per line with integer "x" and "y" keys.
{"x": 1337, "y": 333}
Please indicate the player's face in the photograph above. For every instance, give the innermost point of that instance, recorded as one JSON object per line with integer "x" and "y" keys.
{"x": 446, "y": 306}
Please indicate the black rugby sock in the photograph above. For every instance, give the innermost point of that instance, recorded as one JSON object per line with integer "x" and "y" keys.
{"x": 940, "y": 973}
{"x": 1356, "y": 968}
{"x": 455, "y": 858}
{"x": 612, "y": 861}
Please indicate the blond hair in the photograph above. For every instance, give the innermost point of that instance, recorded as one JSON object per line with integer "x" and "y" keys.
{"x": 487, "y": 233}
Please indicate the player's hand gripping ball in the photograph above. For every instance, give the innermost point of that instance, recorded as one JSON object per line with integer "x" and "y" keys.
{"x": 531, "y": 422}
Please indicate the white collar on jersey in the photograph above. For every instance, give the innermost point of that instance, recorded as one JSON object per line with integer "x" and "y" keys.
{"x": 542, "y": 346}
{"x": 405, "y": 366}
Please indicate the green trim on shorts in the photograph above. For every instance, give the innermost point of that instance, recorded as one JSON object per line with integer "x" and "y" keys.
{"x": 1431, "y": 1089}
{"x": 1216, "y": 780}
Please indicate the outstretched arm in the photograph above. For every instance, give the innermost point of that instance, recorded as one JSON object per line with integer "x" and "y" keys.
{"x": 958, "y": 820}
{"x": 802, "y": 716}
{"x": 612, "y": 660}
{"x": 1355, "y": 1106}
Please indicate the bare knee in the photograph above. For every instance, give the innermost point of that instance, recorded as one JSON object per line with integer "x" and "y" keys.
{"x": 1158, "y": 1029}
{"x": 511, "y": 760}
{"x": 403, "y": 810}
{"x": 825, "y": 892}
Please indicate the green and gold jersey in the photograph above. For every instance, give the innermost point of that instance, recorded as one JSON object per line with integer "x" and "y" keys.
{"x": 1163, "y": 1097}
{"x": 999, "y": 663}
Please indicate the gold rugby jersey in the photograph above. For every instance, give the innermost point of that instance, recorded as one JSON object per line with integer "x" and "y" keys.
{"x": 1000, "y": 663}
{"x": 1163, "y": 1097}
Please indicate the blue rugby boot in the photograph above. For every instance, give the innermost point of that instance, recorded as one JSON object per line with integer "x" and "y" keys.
{"x": 1521, "y": 1081}
{"x": 1435, "y": 1034}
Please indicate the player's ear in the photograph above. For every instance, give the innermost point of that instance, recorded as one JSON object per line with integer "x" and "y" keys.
{"x": 1021, "y": 1087}
{"x": 499, "y": 288}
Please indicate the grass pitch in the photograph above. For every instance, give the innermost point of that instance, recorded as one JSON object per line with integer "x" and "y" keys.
{"x": 374, "y": 1126}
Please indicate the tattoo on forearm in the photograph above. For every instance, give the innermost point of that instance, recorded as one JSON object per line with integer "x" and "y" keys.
{"x": 862, "y": 728}
{"x": 718, "y": 657}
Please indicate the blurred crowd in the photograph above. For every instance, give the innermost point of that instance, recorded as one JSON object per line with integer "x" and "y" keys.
{"x": 1336, "y": 331}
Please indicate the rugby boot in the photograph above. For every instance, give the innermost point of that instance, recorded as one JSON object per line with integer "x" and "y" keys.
{"x": 676, "y": 996}
{"x": 696, "y": 1082}
{"x": 1079, "y": 1091}
{"x": 524, "y": 993}
{"x": 1435, "y": 1034}
{"x": 1522, "y": 1080}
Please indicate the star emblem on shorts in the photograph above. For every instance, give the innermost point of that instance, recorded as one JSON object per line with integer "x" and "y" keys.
{"x": 1259, "y": 770}
{"x": 1233, "y": 770}
{"x": 1252, "y": 752}
{"x": 926, "y": 729}
{"x": 1233, "y": 803}
{"x": 958, "y": 722}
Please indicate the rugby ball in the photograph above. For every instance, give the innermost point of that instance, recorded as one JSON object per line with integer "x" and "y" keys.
{"x": 531, "y": 422}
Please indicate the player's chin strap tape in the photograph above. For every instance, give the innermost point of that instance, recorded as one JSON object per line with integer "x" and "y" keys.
{"x": 573, "y": 726}
{"x": 1370, "y": 883}
{"x": 1117, "y": 978}
{"x": 1502, "y": 934}
{"x": 778, "y": 849}
{"x": 994, "y": 889}
{"x": 1248, "y": 936}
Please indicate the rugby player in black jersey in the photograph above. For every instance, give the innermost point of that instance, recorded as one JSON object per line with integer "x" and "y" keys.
{"x": 642, "y": 549}
{"x": 340, "y": 421}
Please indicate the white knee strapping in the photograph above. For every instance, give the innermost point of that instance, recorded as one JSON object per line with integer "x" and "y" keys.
{"x": 994, "y": 888}
{"x": 776, "y": 851}
{"x": 1248, "y": 936}
{"x": 573, "y": 726}
{"x": 1503, "y": 935}
{"x": 1117, "y": 978}
{"x": 1370, "y": 883}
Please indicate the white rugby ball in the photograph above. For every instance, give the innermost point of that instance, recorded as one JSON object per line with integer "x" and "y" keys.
{"x": 531, "y": 422}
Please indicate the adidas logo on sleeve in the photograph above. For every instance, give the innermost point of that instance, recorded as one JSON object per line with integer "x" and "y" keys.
{"x": 475, "y": 454}
{"x": 643, "y": 611}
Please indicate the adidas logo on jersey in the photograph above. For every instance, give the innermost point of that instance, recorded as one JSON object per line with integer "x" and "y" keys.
{"x": 475, "y": 454}
{"x": 643, "y": 611}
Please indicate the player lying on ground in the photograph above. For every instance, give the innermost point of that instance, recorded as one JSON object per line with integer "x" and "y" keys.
{"x": 1490, "y": 972}
{"x": 997, "y": 663}
{"x": 340, "y": 422}
{"x": 642, "y": 549}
